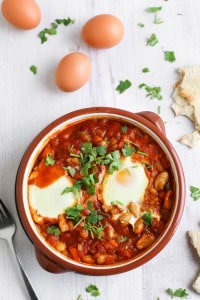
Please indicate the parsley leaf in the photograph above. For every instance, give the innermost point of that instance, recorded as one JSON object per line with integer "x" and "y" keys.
{"x": 93, "y": 217}
{"x": 124, "y": 128}
{"x": 154, "y": 9}
{"x": 74, "y": 213}
{"x": 33, "y": 69}
{"x": 147, "y": 218}
{"x": 53, "y": 29}
{"x": 128, "y": 150}
{"x": 93, "y": 290}
{"x": 152, "y": 41}
{"x": 54, "y": 230}
{"x": 71, "y": 170}
{"x": 79, "y": 297}
{"x": 75, "y": 189}
{"x": 49, "y": 161}
{"x": 141, "y": 25}
{"x": 145, "y": 70}
{"x": 152, "y": 92}
{"x": 180, "y": 293}
{"x": 169, "y": 56}
{"x": 195, "y": 192}
{"x": 157, "y": 20}
{"x": 123, "y": 86}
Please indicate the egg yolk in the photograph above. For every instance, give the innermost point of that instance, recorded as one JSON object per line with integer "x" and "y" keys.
{"x": 124, "y": 176}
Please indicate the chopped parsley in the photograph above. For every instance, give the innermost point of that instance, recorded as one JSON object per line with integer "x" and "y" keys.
{"x": 169, "y": 56}
{"x": 141, "y": 25}
{"x": 71, "y": 170}
{"x": 33, "y": 69}
{"x": 152, "y": 40}
{"x": 49, "y": 161}
{"x": 157, "y": 20}
{"x": 124, "y": 128}
{"x": 154, "y": 9}
{"x": 180, "y": 293}
{"x": 195, "y": 192}
{"x": 123, "y": 239}
{"x": 53, "y": 29}
{"x": 79, "y": 297}
{"x": 117, "y": 202}
{"x": 152, "y": 92}
{"x": 128, "y": 150}
{"x": 147, "y": 218}
{"x": 93, "y": 290}
{"x": 145, "y": 70}
{"x": 53, "y": 230}
{"x": 123, "y": 86}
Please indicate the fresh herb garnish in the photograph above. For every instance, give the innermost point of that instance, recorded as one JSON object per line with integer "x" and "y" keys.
{"x": 74, "y": 213}
{"x": 152, "y": 92}
{"x": 195, "y": 192}
{"x": 79, "y": 297}
{"x": 53, "y": 230}
{"x": 124, "y": 128}
{"x": 49, "y": 161}
{"x": 169, "y": 56}
{"x": 180, "y": 293}
{"x": 152, "y": 40}
{"x": 154, "y": 9}
{"x": 117, "y": 202}
{"x": 157, "y": 20}
{"x": 123, "y": 86}
{"x": 75, "y": 189}
{"x": 128, "y": 150}
{"x": 53, "y": 29}
{"x": 71, "y": 170}
{"x": 159, "y": 109}
{"x": 145, "y": 70}
{"x": 147, "y": 218}
{"x": 123, "y": 239}
{"x": 93, "y": 290}
{"x": 33, "y": 69}
{"x": 141, "y": 25}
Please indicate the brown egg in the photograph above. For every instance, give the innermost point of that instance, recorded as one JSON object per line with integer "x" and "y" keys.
{"x": 23, "y": 14}
{"x": 103, "y": 31}
{"x": 73, "y": 71}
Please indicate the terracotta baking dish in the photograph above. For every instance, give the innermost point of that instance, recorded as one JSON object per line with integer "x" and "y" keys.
{"x": 49, "y": 258}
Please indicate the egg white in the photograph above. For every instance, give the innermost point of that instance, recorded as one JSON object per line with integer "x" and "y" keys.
{"x": 125, "y": 185}
{"x": 49, "y": 201}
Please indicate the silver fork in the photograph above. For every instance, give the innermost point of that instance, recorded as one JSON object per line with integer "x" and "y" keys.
{"x": 7, "y": 231}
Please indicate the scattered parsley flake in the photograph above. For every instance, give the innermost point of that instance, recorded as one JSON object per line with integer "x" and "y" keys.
{"x": 54, "y": 230}
{"x": 145, "y": 70}
{"x": 93, "y": 290}
{"x": 123, "y": 239}
{"x": 79, "y": 297}
{"x": 152, "y": 92}
{"x": 49, "y": 161}
{"x": 124, "y": 128}
{"x": 157, "y": 20}
{"x": 33, "y": 69}
{"x": 53, "y": 29}
{"x": 71, "y": 170}
{"x": 169, "y": 56}
{"x": 179, "y": 293}
{"x": 159, "y": 109}
{"x": 123, "y": 86}
{"x": 154, "y": 9}
{"x": 141, "y": 25}
{"x": 147, "y": 218}
{"x": 152, "y": 41}
{"x": 195, "y": 192}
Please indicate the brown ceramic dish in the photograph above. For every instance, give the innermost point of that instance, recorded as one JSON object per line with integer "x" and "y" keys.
{"x": 53, "y": 261}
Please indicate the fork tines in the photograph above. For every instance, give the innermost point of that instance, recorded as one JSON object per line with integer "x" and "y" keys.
{"x": 4, "y": 213}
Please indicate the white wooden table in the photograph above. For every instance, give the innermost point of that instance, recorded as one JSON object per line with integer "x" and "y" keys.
{"x": 29, "y": 102}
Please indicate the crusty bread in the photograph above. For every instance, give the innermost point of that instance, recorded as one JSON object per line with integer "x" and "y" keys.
{"x": 195, "y": 240}
{"x": 186, "y": 101}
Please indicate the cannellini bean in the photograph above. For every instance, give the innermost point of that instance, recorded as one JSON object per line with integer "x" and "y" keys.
{"x": 110, "y": 232}
{"x": 133, "y": 208}
{"x": 37, "y": 218}
{"x": 161, "y": 180}
{"x": 145, "y": 241}
{"x": 139, "y": 226}
{"x": 88, "y": 259}
{"x": 125, "y": 218}
{"x": 62, "y": 223}
{"x": 60, "y": 246}
{"x": 101, "y": 259}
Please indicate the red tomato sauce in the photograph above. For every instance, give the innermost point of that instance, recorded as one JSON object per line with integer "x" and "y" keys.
{"x": 96, "y": 233}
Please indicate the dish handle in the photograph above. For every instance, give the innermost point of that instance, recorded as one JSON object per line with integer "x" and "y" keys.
{"x": 154, "y": 118}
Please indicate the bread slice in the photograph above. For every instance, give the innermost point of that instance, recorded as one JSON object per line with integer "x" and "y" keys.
{"x": 195, "y": 240}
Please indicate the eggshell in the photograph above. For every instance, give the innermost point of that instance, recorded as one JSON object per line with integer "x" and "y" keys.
{"x": 23, "y": 14}
{"x": 73, "y": 71}
{"x": 103, "y": 31}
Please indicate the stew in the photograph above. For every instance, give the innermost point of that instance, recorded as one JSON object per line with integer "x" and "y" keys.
{"x": 121, "y": 185}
